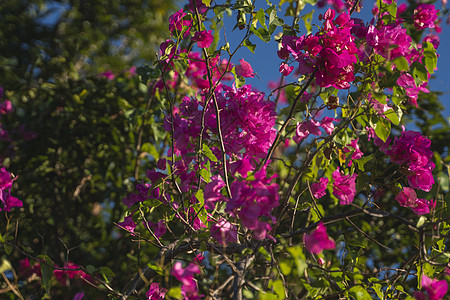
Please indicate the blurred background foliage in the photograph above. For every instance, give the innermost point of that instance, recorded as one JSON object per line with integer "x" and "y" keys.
{"x": 77, "y": 135}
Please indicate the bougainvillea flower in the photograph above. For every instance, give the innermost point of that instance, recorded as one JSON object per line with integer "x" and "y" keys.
{"x": 203, "y": 38}
{"x": 6, "y": 107}
{"x": 224, "y": 232}
{"x": 318, "y": 240}
{"x": 407, "y": 82}
{"x": 128, "y": 223}
{"x": 244, "y": 69}
{"x": 7, "y": 201}
{"x": 353, "y": 147}
{"x": 189, "y": 288}
{"x": 408, "y": 198}
{"x": 327, "y": 124}
{"x": 424, "y": 16}
{"x": 318, "y": 189}
{"x": 285, "y": 69}
{"x": 179, "y": 20}
{"x": 436, "y": 289}
{"x": 306, "y": 128}
{"x": 155, "y": 292}
{"x": 344, "y": 187}
{"x": 108, "y": 75}
{"x": 413, "y": 149}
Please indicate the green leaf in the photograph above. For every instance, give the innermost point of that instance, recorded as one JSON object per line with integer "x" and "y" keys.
{"x": 307, "y": 18}
{"x": 419, "y": 73}
{"x": 421, "y": 221}
{"x": 392, "y": 116}
{"x": 208, "y": 153}
{"x": 200, "y": 197}
{"x": 205, "y": 175}
{"x": 286, "y": 266}
{"x": 261, "y": 17}
{"x": 249, "y": 45}
{"x": 377, "y": 288}
{"x": 267, "y": 296}
{"x": 401, "y": 63}
{"x": 262, "y": 33}
{"x": 430, "y": 57}
{"x": 5, "y": 265}
{"x": 300, "y": 259}
{"x": 382, "y": 127}
{"x": 207, "y": 2}
{"x": 46, "y": 271}
{"x": 175, "y": 292}
{"x": 362, "y": 161}
{"x": 278, "y": 288}
{"x": 106, "y": 272}
{"x": 360, "y": 293}
{"x": 239, "y": 81}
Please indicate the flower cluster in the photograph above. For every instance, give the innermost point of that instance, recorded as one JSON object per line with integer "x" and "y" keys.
{"x": 251, "y": 200}
{"x": 344, "y": 187}
{"x": 424, "y": 16}
{"x": 305, "y": 128}
{"x": 408, "y": 198}
{"x": 189, "y": 289}
{"x": 7, "y": 201}
{"x": 70, "y": 271}
{"x": 155, "y": 292}
{"x": 332, "y": 51}
{"x": 318, "y": 240}
{"x": 413, "y": 149}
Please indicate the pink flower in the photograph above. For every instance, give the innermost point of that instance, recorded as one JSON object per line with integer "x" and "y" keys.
{"x": 179, "y": 20}
{"x": 436, "y": 289}
{"x": 318, "y": 240}
{"x": 155, "y": 292}
{"x": 344, "y": 187}
{"x": 128, "y": 223}
{"x": 353, "y": 146}
{"x": 6, "y": 200}
{"x": 6, "y": 107}
{"x": 327, "y": 124}
{"x": 306, "y": 128}
{"x": 186, "y": 277}
{"x": 224, "y": 232}
{"x": 108, "y": 75}
{"x": 244, "y": 69}
{"x": 407, "y": 82}
{"x": 78, "y": 296}
{"x": 203, "y": 38}
{"x": 318, "y": 189}
{"x": 424, "y": 16}
{"x": 159, "y": 229}
{"x": 408, "y": 198}
{"x": 285, "y": 69}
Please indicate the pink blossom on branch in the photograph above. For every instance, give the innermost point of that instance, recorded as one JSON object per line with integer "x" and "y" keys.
{"x": 203, "y": 38}
{"x": 189, "y": 289}
{"x": 408, "y": 198}
{"x": 424, "y": 16}
{"x": 344, "y": 187}
{"x": 224, "y": 232}
{"x": 244, "y": 69}
{"x": 318, "y": 240}
{"x": 155, "y": 292}
{"x": 436, "y": 289}
{"x": 179, "y": 20}
{"x": 7, "y": 201}
{"x": 318, "y": 189}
